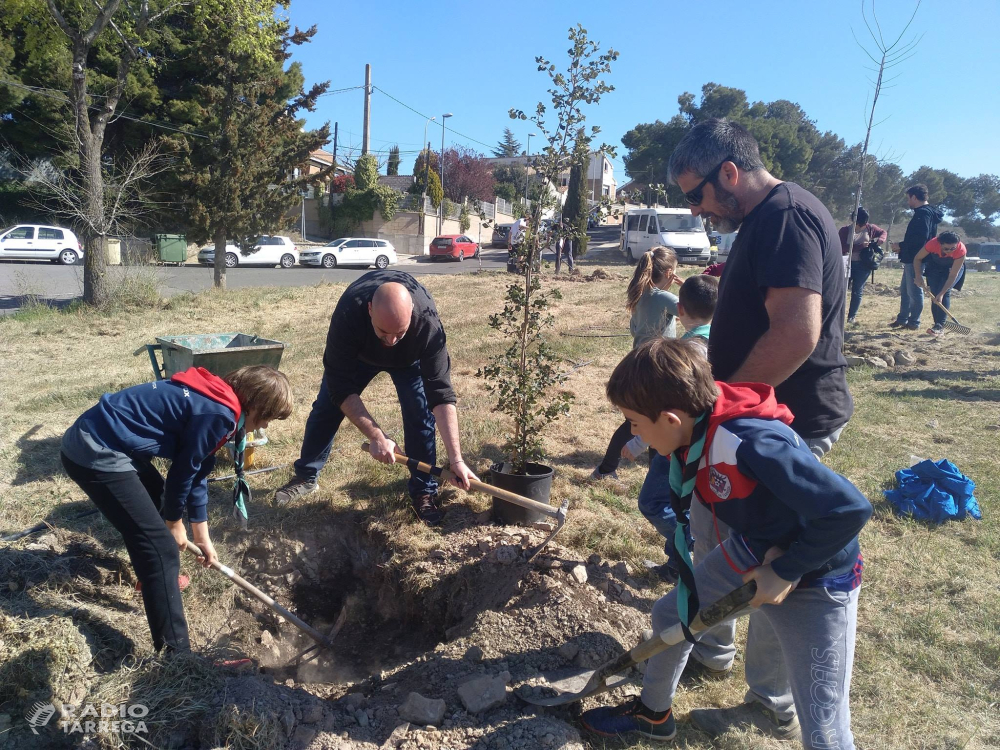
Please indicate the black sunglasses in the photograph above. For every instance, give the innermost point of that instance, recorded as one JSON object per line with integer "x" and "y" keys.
{"x": 695, "y": 197}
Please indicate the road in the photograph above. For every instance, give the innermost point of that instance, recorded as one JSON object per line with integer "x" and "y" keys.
{"x": 61, "y": 284}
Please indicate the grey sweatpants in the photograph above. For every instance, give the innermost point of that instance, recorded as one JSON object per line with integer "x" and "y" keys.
{"x": 801, "y": 649}
{"x": 716, "y": 650}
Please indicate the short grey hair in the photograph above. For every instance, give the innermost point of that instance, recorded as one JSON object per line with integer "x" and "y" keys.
{"x": 711, "y": 142}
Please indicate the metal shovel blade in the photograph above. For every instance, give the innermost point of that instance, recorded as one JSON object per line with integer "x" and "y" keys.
{"x": 600, "y": 681}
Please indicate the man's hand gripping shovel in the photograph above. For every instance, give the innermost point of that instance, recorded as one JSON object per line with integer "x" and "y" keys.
{"x": 559, "y": 514}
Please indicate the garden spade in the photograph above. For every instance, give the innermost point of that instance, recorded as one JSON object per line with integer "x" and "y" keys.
{"x": 599, "y": 681}
{"x": 559, "y": 514}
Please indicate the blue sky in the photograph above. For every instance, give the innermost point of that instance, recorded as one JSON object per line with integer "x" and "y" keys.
{"x": 476, "y": 60}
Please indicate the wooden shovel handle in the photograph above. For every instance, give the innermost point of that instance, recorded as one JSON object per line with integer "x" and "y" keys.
{"x": 261, "y": 596}
{"x": 489, "y": 489}
{"x": 947, "y": 311}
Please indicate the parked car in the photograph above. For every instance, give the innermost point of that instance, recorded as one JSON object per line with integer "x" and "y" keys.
{"x": 454, "y": 246}
{"x": 271, "y": 250}
{"x": 351, "y": 251}
{"x": 500, "y": 234}
{"x": 643, "y": 228}
{"x": 40, "y": 242}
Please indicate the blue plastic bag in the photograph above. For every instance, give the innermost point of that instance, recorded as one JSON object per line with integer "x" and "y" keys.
{"x": 934, "y": 491}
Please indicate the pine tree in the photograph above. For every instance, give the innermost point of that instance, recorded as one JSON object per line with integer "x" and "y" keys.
{"x": 238, "y": 180}
{"x": 393, "y": 166}
{"x": 508, "y": 146}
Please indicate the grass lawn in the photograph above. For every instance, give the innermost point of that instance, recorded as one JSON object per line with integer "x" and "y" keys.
{"x": 927, "y": 667}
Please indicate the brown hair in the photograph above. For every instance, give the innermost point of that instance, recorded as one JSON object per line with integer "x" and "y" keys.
{"x": 661, "y": 375}
{"x": 699, "y": 295}
{"x": 262, "y": 390}
{"x": 654, "y": 264}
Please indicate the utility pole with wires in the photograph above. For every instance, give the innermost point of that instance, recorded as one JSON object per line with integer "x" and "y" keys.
{"x": 885, "y": 56}
{"x": 335, "y": 127}
{"x": 366, "y": 135}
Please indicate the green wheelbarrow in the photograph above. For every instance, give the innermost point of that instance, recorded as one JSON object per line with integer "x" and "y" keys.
{"x": 219, "y": 353}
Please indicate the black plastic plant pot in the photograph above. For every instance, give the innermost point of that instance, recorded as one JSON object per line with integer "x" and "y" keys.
{"x": 536, "y": 484}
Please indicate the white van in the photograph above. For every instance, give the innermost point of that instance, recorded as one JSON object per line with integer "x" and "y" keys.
{"x": 676, "y": 228}
{"x": 725, "y": 245}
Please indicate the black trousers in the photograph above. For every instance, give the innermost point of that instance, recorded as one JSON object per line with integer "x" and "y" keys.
{"x": 614, "y": 455}
{"x": 131, "y": 501}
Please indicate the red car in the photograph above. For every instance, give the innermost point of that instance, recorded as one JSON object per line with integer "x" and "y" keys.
{"x": 454, "y": 246}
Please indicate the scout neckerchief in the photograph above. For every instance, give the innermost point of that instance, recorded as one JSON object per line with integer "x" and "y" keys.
{"x": 682, "y": 481}
{"x": 241, "y": 490}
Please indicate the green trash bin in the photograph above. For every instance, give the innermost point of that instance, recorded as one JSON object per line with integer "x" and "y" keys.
{"x": 172, "y": 248}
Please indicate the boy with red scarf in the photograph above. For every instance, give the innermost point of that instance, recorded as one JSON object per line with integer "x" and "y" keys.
{"x": 794, "y": 530}
{"x": 186, "y": 419}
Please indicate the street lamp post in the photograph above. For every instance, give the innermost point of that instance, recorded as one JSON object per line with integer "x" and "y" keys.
{"x": 427, "y": 167}
{"x": 527, "y": 162}
{"x": 441, "y": 211}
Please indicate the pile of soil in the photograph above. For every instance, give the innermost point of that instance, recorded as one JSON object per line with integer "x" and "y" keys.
{"x": 418, "y": 621}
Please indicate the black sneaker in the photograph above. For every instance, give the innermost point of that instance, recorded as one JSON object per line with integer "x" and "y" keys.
{"x": 694, "y": 670}
{"x": 294, "y": 490}
{"x": 427, "y": 510}
{"x": 896, "y": 324}
{"x": 664, "y": 572}
{"x": 629, "y": 718}
{"x": 717, "y": 721}
{"x": 912, "y": 326}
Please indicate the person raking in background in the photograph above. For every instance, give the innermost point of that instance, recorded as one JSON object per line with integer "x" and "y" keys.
{"x": 943, "y": 261}
{"x": 385, "y": 322}
{"x": 654, "y": 315}
{"x": 864, "y": 233}
{"x": 108, "y": 452}
{"x": 794, "y": 530}
{"x": 695, "y": 307}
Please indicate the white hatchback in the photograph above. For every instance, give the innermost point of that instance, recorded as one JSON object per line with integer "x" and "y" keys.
{"x": 351, "y": 251}
{"x": 40, "y": 242}
{"x": 271, "y": 250}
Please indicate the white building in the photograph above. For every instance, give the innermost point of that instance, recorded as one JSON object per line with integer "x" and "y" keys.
{"x": 600, "y": 174}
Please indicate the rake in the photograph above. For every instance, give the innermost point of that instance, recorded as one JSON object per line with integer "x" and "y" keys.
{"x": 952, "y": 325}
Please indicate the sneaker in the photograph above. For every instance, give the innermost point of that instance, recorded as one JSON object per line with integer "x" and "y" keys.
{"x": 596, "y": 474}
{"x": 717, "y": 721}
{"x": 629, "y": 718}
{"x": 664, "y": 572}
{"x": 695, "y": 670}
{"x": 896, "y": 324}
{"x": 935, "y": 330}
{"x": 427, "y": 510}
{"x": 294, "y": 490}
{"x": 912, "y": 326}
{"x": 853, "y": 322}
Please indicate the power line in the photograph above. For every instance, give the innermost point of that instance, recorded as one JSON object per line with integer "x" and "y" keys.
{"x": 426, "y": 117}
{"x": 341, "y": 91}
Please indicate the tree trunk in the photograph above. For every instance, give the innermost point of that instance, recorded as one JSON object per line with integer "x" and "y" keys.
{"x": 220, "y": 258}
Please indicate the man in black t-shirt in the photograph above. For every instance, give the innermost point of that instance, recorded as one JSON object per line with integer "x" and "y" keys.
{"x": 385, "y": 322}
{"x": 779, "y": 320}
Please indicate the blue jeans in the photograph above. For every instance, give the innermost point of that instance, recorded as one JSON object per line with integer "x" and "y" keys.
{"x": 911, "y": 298}
{"x": 936, "y": 282}
{"x": 654, "y": 504}
{"x": 859, "y": 277}
{"x": 418, "y": 426}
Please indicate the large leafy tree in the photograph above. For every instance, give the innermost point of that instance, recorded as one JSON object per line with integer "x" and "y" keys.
{"x": 467, "y": 175}
{"x": 238, "y": 179}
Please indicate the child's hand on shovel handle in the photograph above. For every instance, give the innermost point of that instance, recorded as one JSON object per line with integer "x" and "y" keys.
{"x": 771, "y": 588}
{"x": 200, "y": 533}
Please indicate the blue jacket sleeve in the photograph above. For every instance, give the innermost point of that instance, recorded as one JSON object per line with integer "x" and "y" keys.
{"x": 834, "y": 510}
{"x": 186, "y": 484}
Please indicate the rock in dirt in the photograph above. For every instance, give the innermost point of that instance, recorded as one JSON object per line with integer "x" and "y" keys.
{"x": 579, "y": 573}
{"x": 355, "y": 700}
{"x": 303, "y": 737}
{"x": 474, "y": 653}
{"x": 288, "y": 721}
{"x": 876, "y": 362}
{"x": 889, "y": 359}
{"x": 853, "y": 361}
{"x": 397, "y": 738}
{"x": 993, "y": 427}
{"x": 417, "y": 709}
{"x": 266, "y": 639}
{"x": 438, "y": 554}
{"x": 482, "y": 694}
{"x": 904, "y": 357}
{"x": 312, "y": 714}
{"x": 568, "y": 651}
{"x": 507, "y": 554}
{"x": 543, "y": 526}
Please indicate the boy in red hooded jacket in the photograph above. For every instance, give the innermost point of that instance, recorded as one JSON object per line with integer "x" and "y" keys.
{"x": 186, "y": 420}
{"x": 794, "y": 530}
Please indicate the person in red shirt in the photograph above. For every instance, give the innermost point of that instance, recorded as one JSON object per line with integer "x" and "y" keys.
{"x": 864, "y": 233}
{"x": 943, "y": 262}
